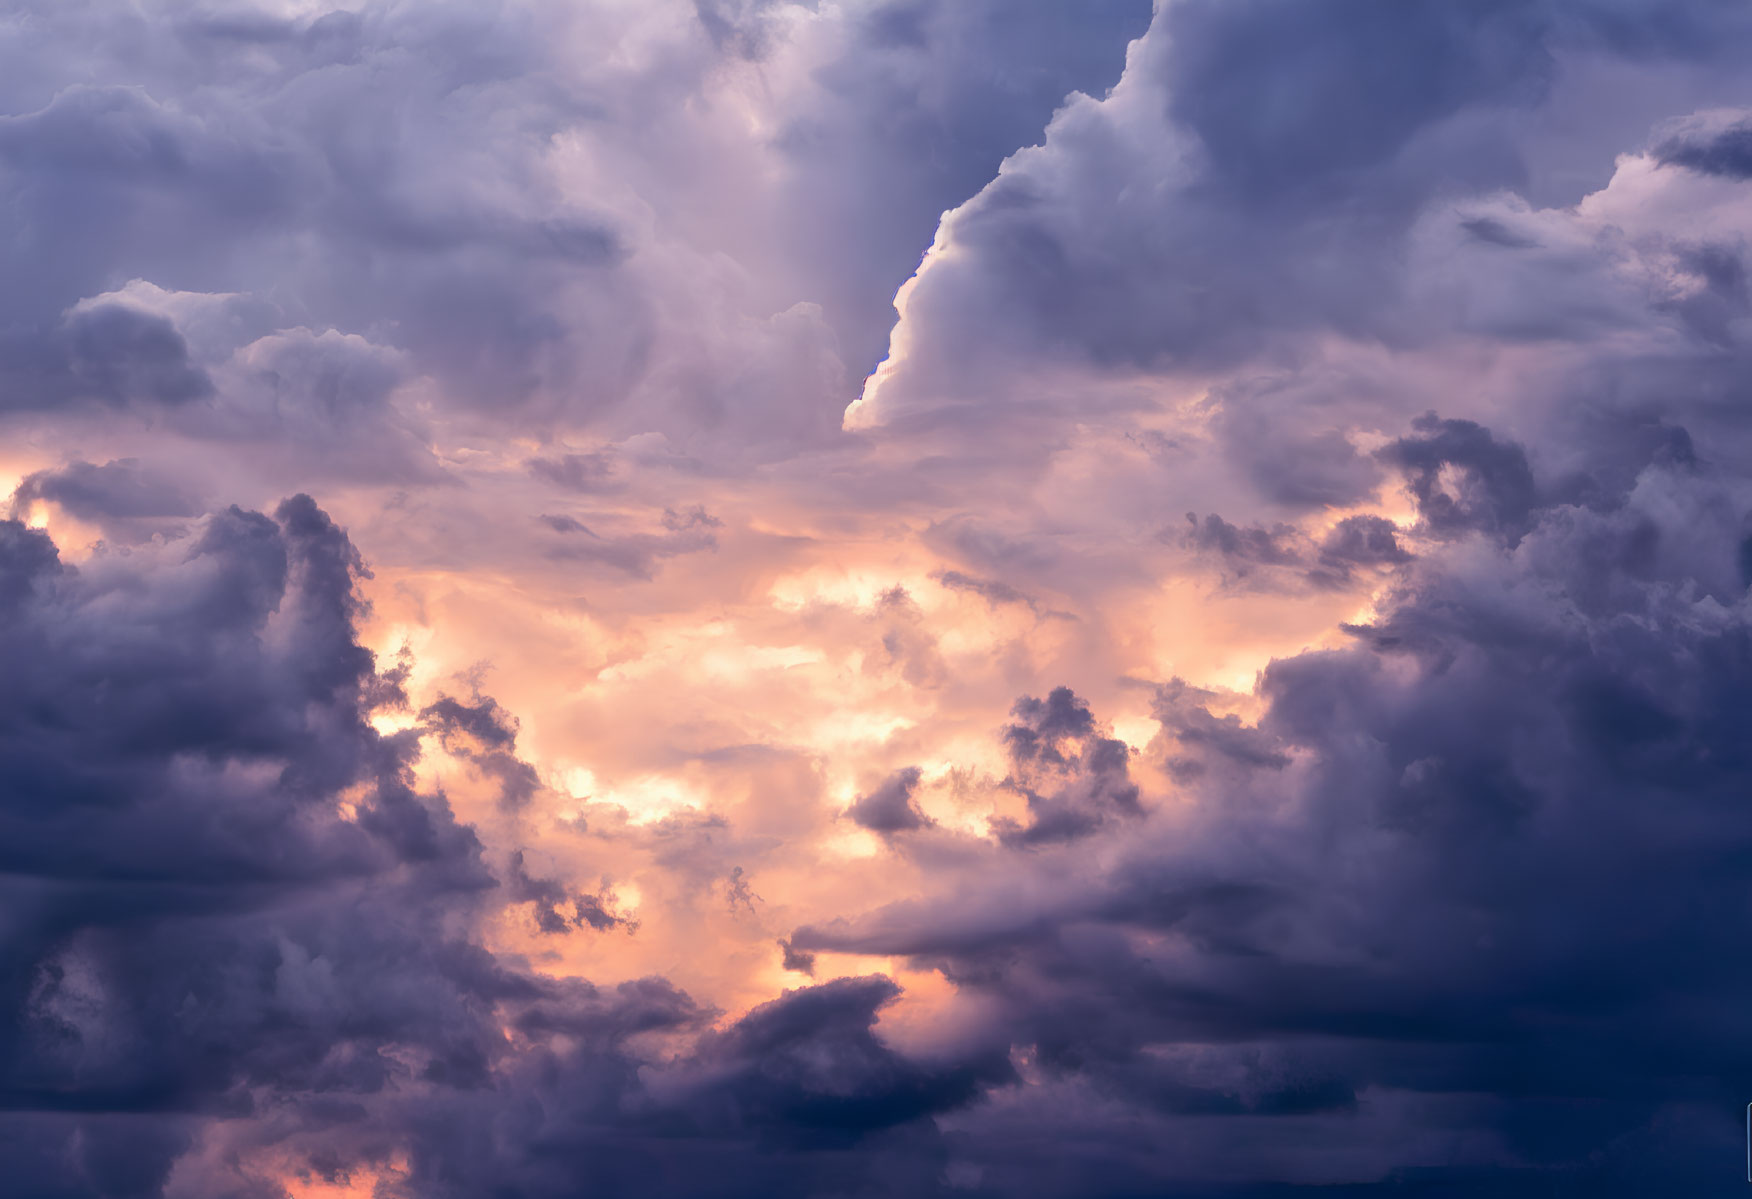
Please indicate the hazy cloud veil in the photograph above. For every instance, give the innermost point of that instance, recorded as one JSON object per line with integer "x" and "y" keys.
{"x": 874, "y": 598}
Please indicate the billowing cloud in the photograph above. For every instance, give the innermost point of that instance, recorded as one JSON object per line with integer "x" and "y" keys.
{"x": 1443, "y": 891}
{"x": 1243, "y": 699}
{"x": 230, "y": 905}
{"x": 1241, "y": 195}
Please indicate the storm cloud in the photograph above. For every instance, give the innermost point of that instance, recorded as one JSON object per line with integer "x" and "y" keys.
{"x": 1450, "y": 885}
{"x": 1182, "y": 567}
{"x": 230, "y": 909}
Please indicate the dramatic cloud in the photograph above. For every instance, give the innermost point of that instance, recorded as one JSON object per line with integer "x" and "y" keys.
{"x": 1447, "y": 889}
{"x": 1244, "y": 190}
{"x": 890, "y": 808}
{"x": 227, "y": 904}
{"x": 998, "y": 598}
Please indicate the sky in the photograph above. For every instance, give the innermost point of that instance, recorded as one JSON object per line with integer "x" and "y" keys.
{"x": 981, "y": 599}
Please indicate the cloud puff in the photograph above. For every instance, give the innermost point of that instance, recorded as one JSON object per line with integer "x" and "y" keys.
{"x": 1073, "y": 778}
{"x": 890, "y": 808}
{"x": 126, "y": 499}
{"x": 1713, "y": 144}
{"x": 100, "y": 353}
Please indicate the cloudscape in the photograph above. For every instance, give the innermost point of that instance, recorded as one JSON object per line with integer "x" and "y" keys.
{"x": 989, "y": 599}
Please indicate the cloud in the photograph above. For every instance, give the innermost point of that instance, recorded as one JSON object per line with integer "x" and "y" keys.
{"x": 107, "y": 354}
{"x": 798, "y": 1097}
{"x": 229, "y": 904}
{"x": 524, "y": 232}
{"x": 1195, "y": 220}
{"x": 1713, "y": 144}
{"x": 120, "y": 489}
{"x": 1457, "y": 858}
{"x": 549, "y": 897}
{"x": 794, "y": 959}
{"x": 634, "y": 554}
{"x": 1074, "y": 779}
{"x": 1283, "y": 556}
{"x": 486, "y": 735}
{"x": 1464, "y": 479}
{"x": 592, "y": 472}
{"x": 1364, "y": 390}
{"x": 184, "y": 723}
{"x": 913, "y": 109}
{"x": 890, "y": 808}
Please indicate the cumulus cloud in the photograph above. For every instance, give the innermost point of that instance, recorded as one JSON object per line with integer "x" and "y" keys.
{"x": 228, "y": 901}
{"x": 206, "y": 842}
{"x": 1245, "y": 701}
{"x": 1196, "y": 218}
{"x": 1458, "y": 858}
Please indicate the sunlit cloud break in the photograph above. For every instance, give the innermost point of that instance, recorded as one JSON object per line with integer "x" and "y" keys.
{"x": 1006, "y": 599}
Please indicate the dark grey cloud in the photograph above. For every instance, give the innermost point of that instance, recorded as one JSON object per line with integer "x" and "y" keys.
{"x": 1270, "y": 154}
{"x": 1710, "y": 145}
{"x": 522, "y": 224}
{"x": 1460, "y": 911}
{"x": 1074, "y": 777}
{"x": 1449, "y": 884}
{"x": 1287, "y": 98}
{"x": 794, "y": 959}
{"x": 1363, "y": 541}
{"x": 1205, "y": 741}
{"x": 1247, "y": 546}
{"x": 800, "y": 1097}
{"x": 890, "y": 808}
{"x": 484, "y": 720}
{"x": 556, "y": 908}
{"x": 590, "y": 473}
{"x": 1496, "y": 233}
{"x": 993, "y": 591}
{"x": 1285, "y": 432}
{"x": 102, "y": 354}
{"x": 250, "y": 156}
{"x": 485, "y": 734}
{"x": 1283, "y": 556}
{"x": 119, "y": 491}
{"x": 231, "y": 915}
{"x": 195, "y": 918}
{"x": 695, "y": 517}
